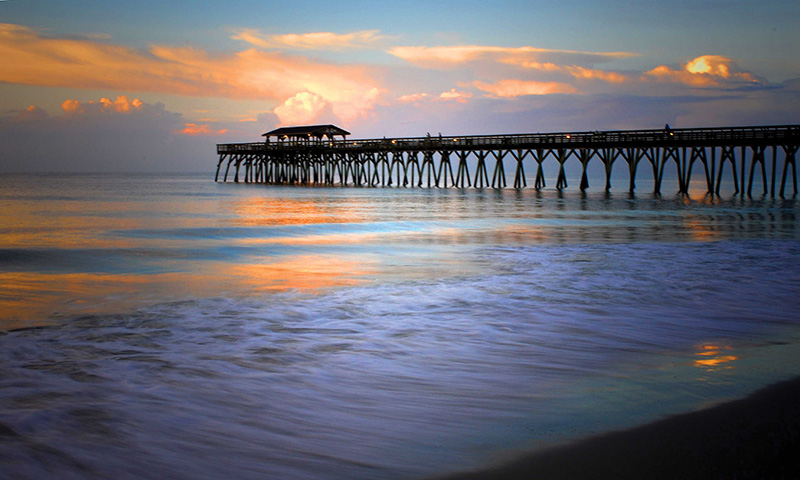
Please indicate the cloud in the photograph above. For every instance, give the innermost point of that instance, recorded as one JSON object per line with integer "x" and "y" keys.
{"x": 102, "y": 135}
{"x": 452, "y": 56}
{"x": 120, "y": 105}
{"x": 454, "y": 95}
{"x": 303, "y": 108}
{"x": 413, "y": 98}
{"x": 705, "y": 71}
{"x": 505, "y": 72}
{"x": 31, "y": 114}
{"x": 194, "y": 129}
{"x": 312, "y": 41}
{"x": 32, "y": 59}
{"x": 516, "y": 88}
{"x": 582, "y": 73}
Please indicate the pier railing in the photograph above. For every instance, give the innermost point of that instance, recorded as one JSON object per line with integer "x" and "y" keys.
{"x": 373, "y": 161}
{"x": 735, "y": 136}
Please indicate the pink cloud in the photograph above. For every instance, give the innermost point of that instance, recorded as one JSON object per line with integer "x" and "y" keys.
{"x": 516, "y": 88}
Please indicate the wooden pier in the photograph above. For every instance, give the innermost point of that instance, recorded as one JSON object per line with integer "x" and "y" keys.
{"x": 315, "y": 155}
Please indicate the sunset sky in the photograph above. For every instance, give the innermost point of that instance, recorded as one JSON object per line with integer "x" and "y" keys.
{"x": 142, "y": 85}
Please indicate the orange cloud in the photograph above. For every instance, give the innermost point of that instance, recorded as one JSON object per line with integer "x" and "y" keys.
{"x": 581, "y": 73}
{"x": 446, "y": 57}
{"x": 454, "y": 95}
{"x": 451, "y": 95}
{"x": 193, "y": 129}
{"x": 492, "y": 62}
{"x": 32, "y": 59}
{"x": 30, "y": 114}
{"x": 120, "y": 105}
{"x": 516, "y": 88}
{"x": 412, "y": 98}
{"x": 311, "y": 41}
{"x": 703, "y": 71}
{"x": 592, "y": 74}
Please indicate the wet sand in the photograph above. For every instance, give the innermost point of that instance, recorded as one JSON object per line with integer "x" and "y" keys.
{"x": 757, "y": 437}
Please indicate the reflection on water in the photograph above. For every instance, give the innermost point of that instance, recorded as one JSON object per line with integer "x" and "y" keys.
{"x": 29, "y": 298}
{"x": 254, "y": 211}
{"x": 302, "y": 272}
{"x": 106, "y": 237}
{"x": 188, "y": 329}
{"x": 713, "y": 358}
{"x": 395, "y": 380}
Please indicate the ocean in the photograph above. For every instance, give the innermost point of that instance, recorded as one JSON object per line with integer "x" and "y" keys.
{"x": 167, "y": 326}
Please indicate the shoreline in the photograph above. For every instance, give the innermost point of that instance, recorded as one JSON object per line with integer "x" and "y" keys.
{"x": 754, "y": 437}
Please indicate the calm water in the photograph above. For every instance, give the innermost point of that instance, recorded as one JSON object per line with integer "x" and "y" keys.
{"x": 171, "y": 327}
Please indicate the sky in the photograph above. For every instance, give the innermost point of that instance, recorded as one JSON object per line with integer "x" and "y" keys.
{"x": 141, "y": 86}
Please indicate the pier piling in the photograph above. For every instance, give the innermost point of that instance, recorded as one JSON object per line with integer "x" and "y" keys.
{"x": 315, "y": 155}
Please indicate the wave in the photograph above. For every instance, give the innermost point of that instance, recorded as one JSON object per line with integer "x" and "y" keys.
{"x": 399, "y": 379}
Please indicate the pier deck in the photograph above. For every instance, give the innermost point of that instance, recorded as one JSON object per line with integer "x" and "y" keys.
{"x": 430, "y": 161}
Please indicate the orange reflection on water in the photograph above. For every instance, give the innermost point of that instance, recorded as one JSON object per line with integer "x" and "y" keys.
{"x": 34, "y": 298}
{"x": 699, "y": 230}
{"x": 714, "y": 357}
{"x": 303, "y": 272}
{"x": 260, "y": 211}
{"x": 71, "y": 224}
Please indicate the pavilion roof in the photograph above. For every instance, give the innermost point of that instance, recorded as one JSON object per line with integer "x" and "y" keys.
{"x": 318, "y": 131}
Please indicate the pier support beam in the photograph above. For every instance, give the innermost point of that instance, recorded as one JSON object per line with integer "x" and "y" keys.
{"x": 539, "y": 157}
{"x": 790, "y": 160}
{"x": 444, "y": 168}
{"x": 480, "y": 170}
{"x": 462, "y": 174}
{"x": 758, "y": 157}
{"x": 519, "y": 174}
{"x": 584, "y": 156}
{"x": 499, "y": 175}
{"x": 728, "y": 154}
{"x": 563, "y": 155}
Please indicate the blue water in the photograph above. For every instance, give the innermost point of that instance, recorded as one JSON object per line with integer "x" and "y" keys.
{"x": 172, "y": 327}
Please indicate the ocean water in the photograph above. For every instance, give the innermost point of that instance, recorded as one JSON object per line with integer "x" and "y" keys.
{"x": 168, "y": 326}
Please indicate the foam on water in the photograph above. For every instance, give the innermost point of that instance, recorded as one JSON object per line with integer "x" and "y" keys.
{"x": 400, "y": 379}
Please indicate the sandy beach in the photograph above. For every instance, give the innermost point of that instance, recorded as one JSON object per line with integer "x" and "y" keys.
{"x": 757, "y": 437}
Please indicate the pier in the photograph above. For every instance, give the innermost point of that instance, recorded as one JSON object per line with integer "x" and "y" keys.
{"x": 323, "y": 155}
